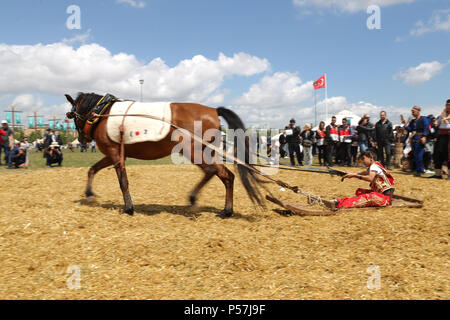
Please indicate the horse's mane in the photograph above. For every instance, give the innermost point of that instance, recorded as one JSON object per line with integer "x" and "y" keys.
{"x": 89, "y": 100}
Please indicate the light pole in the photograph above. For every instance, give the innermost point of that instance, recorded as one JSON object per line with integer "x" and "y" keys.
{"x": 142, "y": 83}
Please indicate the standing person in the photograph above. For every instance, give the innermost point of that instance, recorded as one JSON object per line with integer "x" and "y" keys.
{"x": 282, "y": 140}
{"x": 442, "y": 147}
{"x": 371, "y": 130}
{"x": 7, "y": 146}
{"x": 354, "y": 149}
{"x": 293, "y": 140}
{"x": 331, "y": 139}
{"x": 320, "y": 138}
{"x": 2, "y": 134}
{"x": 364, "y": 134}
{"x": 45, "y": 139}
{"x": 345, "y": 141}
{"x": 384, "y": 136}
{"x": 420, "y": 127}
{"x": 307, "y": 142}
{"x": 429, "y": 145}
{"x": 93, "y": 146}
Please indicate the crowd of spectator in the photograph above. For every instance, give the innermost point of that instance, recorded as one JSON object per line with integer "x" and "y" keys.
{"x": 423, "y": 142}
{"x": 16, "y": 153}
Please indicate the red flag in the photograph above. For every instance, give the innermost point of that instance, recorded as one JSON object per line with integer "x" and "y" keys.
{"x": 320, "y": 83}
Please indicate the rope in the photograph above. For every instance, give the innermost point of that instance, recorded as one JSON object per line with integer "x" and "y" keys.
{"x": 312, "y": 199}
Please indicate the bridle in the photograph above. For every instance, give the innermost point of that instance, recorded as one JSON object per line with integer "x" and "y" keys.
{"x": 73, "y": 114}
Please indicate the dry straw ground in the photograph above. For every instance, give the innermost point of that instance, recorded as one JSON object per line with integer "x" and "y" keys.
{"x": 168, "y": 252}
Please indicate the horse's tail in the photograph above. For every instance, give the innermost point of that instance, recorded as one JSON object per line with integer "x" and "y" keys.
{"x": 248, "y": 178}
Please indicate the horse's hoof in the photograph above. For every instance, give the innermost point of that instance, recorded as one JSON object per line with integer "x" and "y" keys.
{"x": 192, "y": 199}
{"x": 89, "y": 194}
{"x": 224, "y": 214}
{"x": 129, "y": 212}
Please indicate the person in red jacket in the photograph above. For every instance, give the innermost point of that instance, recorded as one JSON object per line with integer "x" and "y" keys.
{"x": 381, "y": 186}
{"x": 2, "y": 134}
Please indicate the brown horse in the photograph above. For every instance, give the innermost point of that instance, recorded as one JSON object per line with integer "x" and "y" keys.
{"x": 183, "y": 116}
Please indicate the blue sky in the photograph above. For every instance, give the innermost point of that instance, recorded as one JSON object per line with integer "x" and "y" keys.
{"x": 287, "y": 44}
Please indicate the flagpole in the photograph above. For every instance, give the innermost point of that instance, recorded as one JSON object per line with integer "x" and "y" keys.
{"x": 315, "y": 108}
{"x": 326, "y": 96}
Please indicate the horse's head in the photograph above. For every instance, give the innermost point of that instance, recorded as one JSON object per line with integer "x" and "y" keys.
{"x": 80, "y": 112}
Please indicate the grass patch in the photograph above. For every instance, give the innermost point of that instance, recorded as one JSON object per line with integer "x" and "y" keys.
{"x": 79, "y": 159}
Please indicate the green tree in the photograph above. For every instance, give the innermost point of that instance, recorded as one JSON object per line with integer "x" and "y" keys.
{"x": 35, "y": 135}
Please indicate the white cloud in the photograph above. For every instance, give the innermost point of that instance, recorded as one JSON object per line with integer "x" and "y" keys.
{"x": 272, "y": 99}
{"x": 421, "y": 73}
{"x": 58, "y": 68}
{"x": 133, "y": 3}
{"x": 27, "y": 103}
{"x": 350, "y": 6}
{"x": 279, "y": 89}
{"x": 439, "y": 21}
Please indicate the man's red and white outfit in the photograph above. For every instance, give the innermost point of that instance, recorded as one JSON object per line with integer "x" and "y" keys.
{"x": 379, "y": 195}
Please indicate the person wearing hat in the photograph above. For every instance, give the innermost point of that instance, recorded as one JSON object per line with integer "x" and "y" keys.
{"x": 293, "y": 140}
{"x": 6, "y": 143}
{"x": 419, "y": 126}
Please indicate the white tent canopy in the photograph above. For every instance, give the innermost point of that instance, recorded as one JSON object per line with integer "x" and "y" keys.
{"x": 75, "y": 142}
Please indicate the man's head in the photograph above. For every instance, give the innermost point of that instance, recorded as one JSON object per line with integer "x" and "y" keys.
{"x": 333, "y": 120}
{"x": 415, "y": 111}
{"x": 4, "y": 124}
{"x": 344, "y": 122}
{"x": 367, "y": 116}
{"x": 447, "y": 105}
{"x": 292, "y": 123}
{"x": 383, "y": 115}
{"x": 368, "y": 158}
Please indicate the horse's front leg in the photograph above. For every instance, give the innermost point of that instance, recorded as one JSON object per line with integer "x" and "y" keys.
{"x": 105, "y": 162}
{"x": 123, "y": 181}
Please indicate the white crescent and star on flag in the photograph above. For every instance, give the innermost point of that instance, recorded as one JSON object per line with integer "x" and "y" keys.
{"x": 319, "y": 83}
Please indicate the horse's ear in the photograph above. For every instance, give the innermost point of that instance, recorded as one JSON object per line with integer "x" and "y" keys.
{"x": 69, "y": 98}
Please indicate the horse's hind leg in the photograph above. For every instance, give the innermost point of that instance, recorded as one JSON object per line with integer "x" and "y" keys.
{"x": 227, "y": 178}
{"x": 210, "y": 171}
{"x": 123, "y": 181}
{"x": 105, "y": 162}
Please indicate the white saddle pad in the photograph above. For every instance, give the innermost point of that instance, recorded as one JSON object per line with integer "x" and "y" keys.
{"x": 140, "y": 129}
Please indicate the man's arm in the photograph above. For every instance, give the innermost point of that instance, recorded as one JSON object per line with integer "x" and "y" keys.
{"x": 365, "y": 175}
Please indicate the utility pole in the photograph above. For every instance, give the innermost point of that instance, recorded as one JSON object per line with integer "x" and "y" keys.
{"x": 35, "y": 117}
{"x": 13, "y": 113}
{"x": 54, "y": 122}
{"x": 142, "y": 83}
